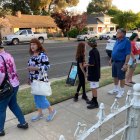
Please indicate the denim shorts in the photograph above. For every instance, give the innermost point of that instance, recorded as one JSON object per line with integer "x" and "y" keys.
{"x": 116, "y": 70}
{"x": 131, "y": 60}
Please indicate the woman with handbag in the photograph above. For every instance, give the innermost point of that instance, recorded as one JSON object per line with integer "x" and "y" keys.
{"x": 9, "y": 85}
{"x": 38, "y": 66}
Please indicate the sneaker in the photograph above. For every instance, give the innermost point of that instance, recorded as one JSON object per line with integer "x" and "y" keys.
{"x": 85, "y": 98}
{"x": 114, "y": 91}
{"x": 120, "y": 94}
{"x": 51, "y": 116}
{"x": 89, "y": 102}
{"x": 23, "y": 126}
{"x": 2, "y": 133}
{"x": 37, "y": 118}
{"x": 75, "y": 99}
{"x": 93, "y": 106}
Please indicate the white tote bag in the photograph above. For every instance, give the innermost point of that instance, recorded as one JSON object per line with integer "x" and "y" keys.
{"x": 41, "y": 88}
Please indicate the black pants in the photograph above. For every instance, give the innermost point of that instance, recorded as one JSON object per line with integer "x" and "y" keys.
{"x": 81, "y": 83}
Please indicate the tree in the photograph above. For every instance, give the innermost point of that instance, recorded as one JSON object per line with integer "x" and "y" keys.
{"x": 63, "y": 20}
{"x": 96, "y": 6}
{"x": 39, "y": 7}
{"x": 127, "y": 20}
{"x": 79, "y": 21}
{"x": 17, "y": 5}
{"x": 66, "y": 20}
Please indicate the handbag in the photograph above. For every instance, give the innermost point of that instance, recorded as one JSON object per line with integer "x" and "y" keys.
{"x": 6, "y": 89}
{"x": 41, "y": 88}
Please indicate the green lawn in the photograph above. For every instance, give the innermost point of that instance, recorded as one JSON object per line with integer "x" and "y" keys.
{"x": 61, "y": 91}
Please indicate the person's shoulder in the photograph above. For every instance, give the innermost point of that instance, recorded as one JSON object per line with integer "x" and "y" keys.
{"x": 42, "y": 54}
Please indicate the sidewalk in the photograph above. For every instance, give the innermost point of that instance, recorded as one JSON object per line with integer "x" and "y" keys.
{"x": 65, "y": 122}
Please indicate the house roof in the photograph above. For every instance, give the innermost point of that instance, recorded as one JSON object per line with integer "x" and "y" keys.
{"x": 101, "y": 15}
{"x": 30, "y": 21}
{"x": 91, "y": 19}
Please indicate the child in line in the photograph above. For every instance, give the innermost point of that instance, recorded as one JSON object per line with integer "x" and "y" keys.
{"x": 93, "y": 72}
{"x": 80, "y": 58}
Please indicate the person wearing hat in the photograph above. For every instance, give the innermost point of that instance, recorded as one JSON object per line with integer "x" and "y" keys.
{"x": 134, "y": 57}
{"x": 93, "y": 72}
{"x": 10, "y": 101}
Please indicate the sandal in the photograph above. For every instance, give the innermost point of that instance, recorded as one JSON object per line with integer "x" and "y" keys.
{"x": 132, "y": 82}
{"x": 128, "y": 84}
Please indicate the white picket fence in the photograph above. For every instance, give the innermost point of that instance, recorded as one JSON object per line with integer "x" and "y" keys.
{"x": 132, "y": 121}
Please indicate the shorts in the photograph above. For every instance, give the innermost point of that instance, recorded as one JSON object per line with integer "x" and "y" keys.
{"x": 131, "y": 60}
{"x": 94, "y": 85}
{"x": 116, "y": 70}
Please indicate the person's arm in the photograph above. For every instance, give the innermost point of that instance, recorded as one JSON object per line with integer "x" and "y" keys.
{"x": 82, "y": 68}
{"x": 127, "y": 53}
{"x": 44, "y": 64}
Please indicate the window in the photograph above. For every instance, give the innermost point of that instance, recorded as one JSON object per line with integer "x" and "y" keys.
{"x": 29, "y": 31}
{"x": 107, "y": 20}
{"x": 90, "y": 28}
{"x": 23, "y": 32}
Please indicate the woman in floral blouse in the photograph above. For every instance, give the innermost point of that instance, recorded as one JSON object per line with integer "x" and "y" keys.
{"x": 38, "y": 66}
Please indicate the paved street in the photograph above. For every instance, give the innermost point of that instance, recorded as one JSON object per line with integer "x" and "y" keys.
{"x": 60, "y": 54}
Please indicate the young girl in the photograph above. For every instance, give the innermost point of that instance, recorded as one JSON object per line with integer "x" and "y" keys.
{"x": 134, "y": 57}
{"x": 38, "y": 64}
{"x": 80, "y": 58}
{"x": 93, "y": 72}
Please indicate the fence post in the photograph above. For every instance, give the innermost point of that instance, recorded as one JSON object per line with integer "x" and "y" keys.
{"x": 134, "y": 115}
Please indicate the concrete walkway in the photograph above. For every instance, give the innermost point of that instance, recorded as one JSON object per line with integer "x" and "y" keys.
{"x": 65, "y": 122}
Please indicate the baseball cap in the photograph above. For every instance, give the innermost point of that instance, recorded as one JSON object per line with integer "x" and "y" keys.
{"x": 92, "y": 40}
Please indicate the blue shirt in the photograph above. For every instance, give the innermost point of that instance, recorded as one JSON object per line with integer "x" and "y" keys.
{"x": 121, "y": 49}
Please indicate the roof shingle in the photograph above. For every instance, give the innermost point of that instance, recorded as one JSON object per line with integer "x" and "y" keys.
{"x": 31, "y": 21}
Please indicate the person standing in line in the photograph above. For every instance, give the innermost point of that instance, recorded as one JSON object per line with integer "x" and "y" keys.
{"x": 80, "y": 58}
{"x": 38, "y": 66}
{"x": 134, "y": 57}
{"x": 119, "y": 61}
{"x": 10, "y": 101}
{"x": 94, "y": 72}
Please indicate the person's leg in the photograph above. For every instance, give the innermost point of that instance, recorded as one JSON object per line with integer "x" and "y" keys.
{"x": 93, "y": 103}
{"x": 14, "y": 107}
{"x": 78, "y": 89}
{"x": 121, "y": 77}
{"x": 129, "y": 75}
{"x": 84, "y": 96}
{"x": 115, "y": 78}
{"x": 3, "y": 107}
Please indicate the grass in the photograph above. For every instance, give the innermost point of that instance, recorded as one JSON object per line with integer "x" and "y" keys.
{"x": 61, "y": 91}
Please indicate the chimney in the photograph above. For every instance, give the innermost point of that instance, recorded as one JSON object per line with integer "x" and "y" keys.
{"x": 18, "y": 14}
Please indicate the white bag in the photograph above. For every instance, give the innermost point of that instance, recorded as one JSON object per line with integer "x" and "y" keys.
{"x": 41, "y": 88}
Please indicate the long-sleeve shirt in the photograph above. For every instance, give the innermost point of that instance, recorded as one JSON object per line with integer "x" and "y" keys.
{"x": 42, "y": 62}
{"x": 11, "y": 69}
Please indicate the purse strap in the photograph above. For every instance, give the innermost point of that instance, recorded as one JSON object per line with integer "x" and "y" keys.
{"x": 6, "y": 73}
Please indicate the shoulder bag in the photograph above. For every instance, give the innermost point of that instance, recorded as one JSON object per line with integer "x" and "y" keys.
{"x": 6, "y": 89}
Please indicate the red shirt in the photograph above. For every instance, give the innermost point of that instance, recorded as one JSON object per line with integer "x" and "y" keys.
{"x": 135, "y": 48}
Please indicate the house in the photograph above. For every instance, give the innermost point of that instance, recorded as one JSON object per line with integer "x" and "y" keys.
{"x": 100, "y": 23}
{"x": 21, "y": 21}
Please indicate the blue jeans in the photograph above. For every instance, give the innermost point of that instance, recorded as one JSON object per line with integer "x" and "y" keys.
{"x": 14, "y": 107}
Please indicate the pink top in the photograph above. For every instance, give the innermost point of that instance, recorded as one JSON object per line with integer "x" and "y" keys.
{"x": 11, "y": 68}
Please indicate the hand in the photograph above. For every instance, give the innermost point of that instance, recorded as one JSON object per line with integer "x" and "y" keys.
{"x": 31, "y": 68}
{"x": 124, "y": 68}
{"x": 85, "y": 65}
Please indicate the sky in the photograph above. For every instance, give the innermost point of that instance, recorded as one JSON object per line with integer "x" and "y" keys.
{"x": 125, "y": 5}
